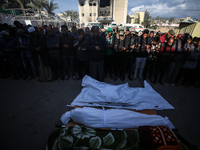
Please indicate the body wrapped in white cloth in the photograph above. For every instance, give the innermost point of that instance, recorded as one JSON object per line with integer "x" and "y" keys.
{"x": 113, "y": 118}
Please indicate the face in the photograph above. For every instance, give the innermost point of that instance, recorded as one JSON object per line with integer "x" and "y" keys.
{"x": 49, "y": 30}
{"x": 87, "y": 29}
{"x": 74, "y": 30}
{"x": 145, "y": 35}
{"x": 109, "y": 34}
{"x": 20, "y": 33}
{"x": 121, "y": 33}
{"x": 189, "y": 40}
{"x": 151, "y": 34}
{"x": 169, "y": 35}
{"x": 127, "y": 32}
{"x": 64, "y": 30}
{"x": 154, "y": 42}
{"x": 80, "y": 36}
{"x": 55, "y": 30}
{"x": 171, "y": 41}
{"x": 95, "y": 32}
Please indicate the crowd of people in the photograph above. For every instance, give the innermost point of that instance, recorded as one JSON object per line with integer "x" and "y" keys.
{"x": 48, "y": 53}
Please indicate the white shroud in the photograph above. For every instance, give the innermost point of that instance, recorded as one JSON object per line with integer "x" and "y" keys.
{"x": 122, "y": 96}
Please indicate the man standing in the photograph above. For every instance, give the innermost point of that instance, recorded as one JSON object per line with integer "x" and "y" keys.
{"x": 109, "y": 53}
{"x": 131, "y": 52}
{"x": 27, "y": 55}
{"x": 96, "y": 46}
{"x": 141, "y": 53}
{"x": 9, "y": 47}
{"x": 119, "y": 55}
{"x": 37, "y": 46}
{"x": 164, "y": 38}
{"x": 52, "y": 44}
{"x": 67, "y": 50}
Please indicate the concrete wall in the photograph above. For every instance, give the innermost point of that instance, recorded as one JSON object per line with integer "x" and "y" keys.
{"x": 120, "y": 11}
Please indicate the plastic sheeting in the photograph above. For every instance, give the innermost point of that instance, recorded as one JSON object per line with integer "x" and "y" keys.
{"x": 97, "y": 93}
{"x": 113, "y": 118}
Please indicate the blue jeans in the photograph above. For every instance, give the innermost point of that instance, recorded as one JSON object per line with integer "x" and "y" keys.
{"x": 139, "y": 64}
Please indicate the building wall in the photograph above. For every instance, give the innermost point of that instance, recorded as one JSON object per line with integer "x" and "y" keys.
{"x": 133, "y": 18}
{"x": 120, "y": 11}
{"x": 141, "y": 17}
{"x": 90, "y": 12}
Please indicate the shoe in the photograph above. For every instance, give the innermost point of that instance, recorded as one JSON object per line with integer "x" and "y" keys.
{"x": 122, "y": 79}
{"x": 173, "y": 84}
{"x": 74, "y": 77}
{"x": 165, "y": 83}
{"x": 25, "y": 78}
{"x": 79, "y": 78}
{"x": 129, "y": 77}
{"x": 30, "y": 77}
{"x": 115, "y": 79}
{"x": 67, "y": 77}
{"x": 161, "y": 82}
{"x": 149, "y": 81}
{"x": 141, "y": 80}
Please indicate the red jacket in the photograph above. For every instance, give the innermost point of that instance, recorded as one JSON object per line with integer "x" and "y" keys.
{"x": 163, "y": 41}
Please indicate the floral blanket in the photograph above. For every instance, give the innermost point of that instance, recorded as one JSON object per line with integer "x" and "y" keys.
{"x": 83, "y": 138}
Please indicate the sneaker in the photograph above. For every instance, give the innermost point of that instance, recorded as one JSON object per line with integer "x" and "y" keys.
{"x": 74, "y": 77}
{"x": 173, "y": 84}
{"x": 165, "y": 83}
{"x": 67, "y": 77}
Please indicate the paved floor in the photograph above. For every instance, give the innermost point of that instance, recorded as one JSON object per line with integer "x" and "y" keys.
{"x": 29, "y": 110}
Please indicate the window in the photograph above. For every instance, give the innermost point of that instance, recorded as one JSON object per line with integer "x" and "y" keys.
{"x": 90, "y": 14}
{"x": 90, "y": 4}
{"x": 94, "y": 4}
{"x": 82, "y": 4}
{"x": 82, "y": 14}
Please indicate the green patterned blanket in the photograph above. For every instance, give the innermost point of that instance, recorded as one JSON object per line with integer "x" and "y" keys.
{"x": 83, "y": 138}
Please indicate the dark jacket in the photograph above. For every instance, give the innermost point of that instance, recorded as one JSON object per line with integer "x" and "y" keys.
{"x": 118, "y": 43}
{"x": 68, "y": 40}
{"x": 26, "y": 52}
{"x": 51, "y": 41}
{"x": 141, "y": 50}
{"x": 11, "y": 46}
{"x": 40, "y": 41}
{"x": 133, "y": 41}
{"x": 82, "y": 54}
{"x": 95, "y": 55}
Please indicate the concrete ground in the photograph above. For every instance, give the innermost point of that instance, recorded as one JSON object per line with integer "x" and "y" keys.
{"x": 29, "y": 110}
